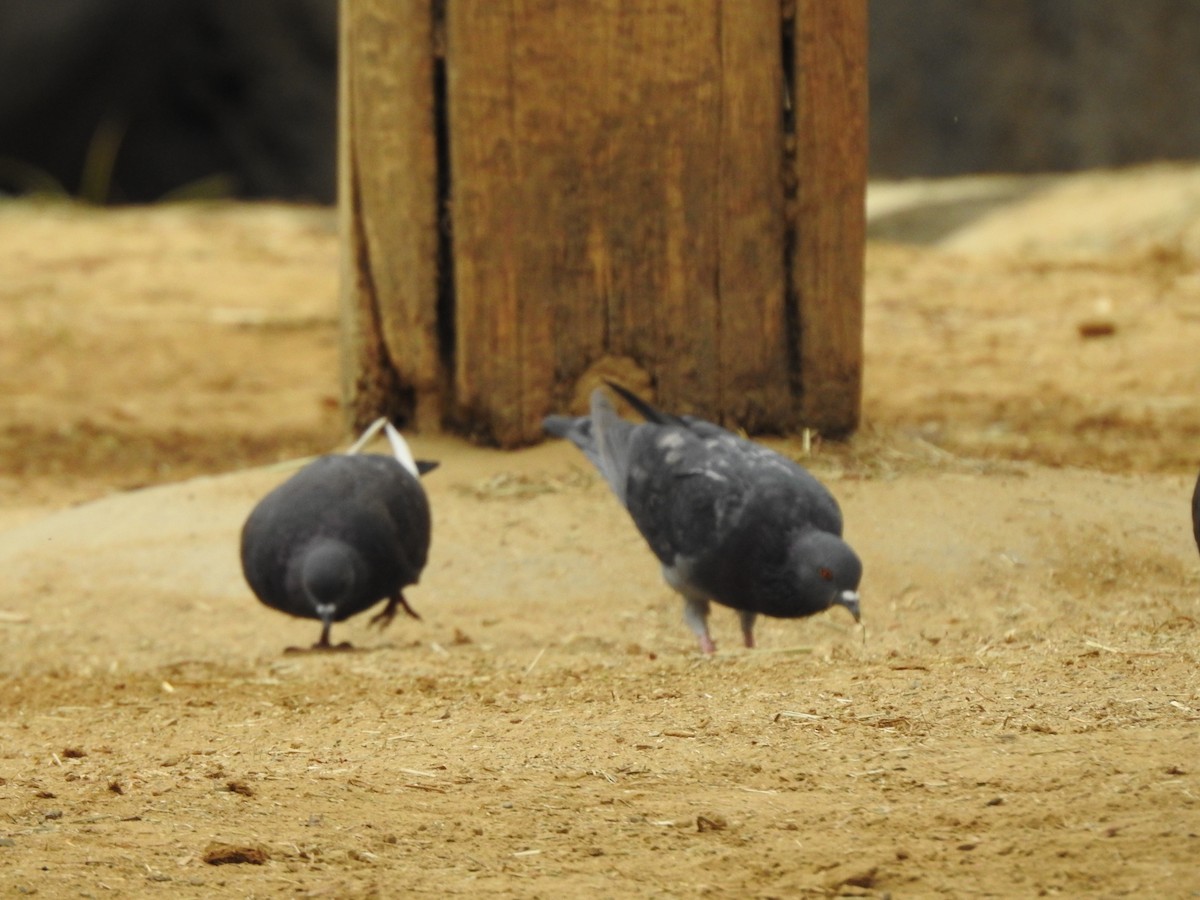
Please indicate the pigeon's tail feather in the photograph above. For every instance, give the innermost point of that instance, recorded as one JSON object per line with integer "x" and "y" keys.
{"x": 367, "y": 436}
{"x": 400, "y": 449}
{"x": 613, "y": 438}
{"x": 579, "y": 432}
{"x": 399, "y": 446}
{"x": 604, "y": 437}
{"x": 560, "y": 426}
{"x": 644, "y": 409}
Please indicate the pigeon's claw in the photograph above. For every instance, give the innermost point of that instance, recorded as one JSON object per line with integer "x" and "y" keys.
{"x": 384, "y": 618}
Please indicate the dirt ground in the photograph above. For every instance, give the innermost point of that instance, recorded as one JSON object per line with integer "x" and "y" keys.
{"x": 1021, "y": 718}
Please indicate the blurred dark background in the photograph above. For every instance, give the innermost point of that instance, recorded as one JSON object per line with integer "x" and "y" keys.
{"x": 131, "y": 100}
{"x": 137, "y": 100}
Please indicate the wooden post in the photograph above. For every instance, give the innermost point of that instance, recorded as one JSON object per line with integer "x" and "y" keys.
{"x": 539, "y": 193}
{"x": 830, "y": 218}
{"x": 388, "y": 205}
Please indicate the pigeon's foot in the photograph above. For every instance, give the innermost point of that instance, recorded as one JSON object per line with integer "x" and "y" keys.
{"x": 384, "y": 618}
{"x": 707, "y": 647}
{"x": 320, "y": 647}
{"x": 324, "y": 645}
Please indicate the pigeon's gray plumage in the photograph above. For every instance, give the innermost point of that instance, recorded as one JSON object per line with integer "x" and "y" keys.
{"x": 729, "y": 519}
{"x": 1196, "y": 513}
{"x": 342, "y": 534}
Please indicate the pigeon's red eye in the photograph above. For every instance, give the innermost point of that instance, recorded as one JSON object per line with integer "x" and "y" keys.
{"x": 825, "y": 573}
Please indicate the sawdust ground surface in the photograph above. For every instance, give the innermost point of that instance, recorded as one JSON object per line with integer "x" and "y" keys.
{"x": 1021, "y": 718}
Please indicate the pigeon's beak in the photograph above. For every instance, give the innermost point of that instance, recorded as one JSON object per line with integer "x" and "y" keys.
{"x": 849, "y": 599}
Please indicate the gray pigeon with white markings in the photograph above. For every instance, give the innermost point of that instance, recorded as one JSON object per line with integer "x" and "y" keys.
{"x": 342, "y": 534}
{"x": 729, "y": 519}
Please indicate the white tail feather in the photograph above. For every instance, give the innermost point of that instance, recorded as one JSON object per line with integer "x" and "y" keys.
{"x": 372, "y": 430}
{"x": 400, "y": 449}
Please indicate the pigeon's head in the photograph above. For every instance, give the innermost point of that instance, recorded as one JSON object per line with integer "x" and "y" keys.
{"x": 328, "y": 576}
{"x": 825, "y": 572}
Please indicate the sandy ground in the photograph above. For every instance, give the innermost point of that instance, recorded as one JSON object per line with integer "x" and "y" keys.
{"x": 1022, "y": 717}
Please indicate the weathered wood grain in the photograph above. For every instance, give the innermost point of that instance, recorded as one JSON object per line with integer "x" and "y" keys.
{"x": 756, "y": 391}
{"x": 624, "y": 193}
{"x": 387, "y": 182}
{"x": 830, "y": 218}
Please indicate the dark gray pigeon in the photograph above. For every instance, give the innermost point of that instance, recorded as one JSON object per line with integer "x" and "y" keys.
{"x": 1196, "y": 513}
{"x": 729, "y": 520}
{"x": 343, "y": 533}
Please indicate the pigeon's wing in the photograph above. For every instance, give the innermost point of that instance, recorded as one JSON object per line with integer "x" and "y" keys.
{"x": 691, "y": 496}
{"x": 666, "y": 452}
{"x": 281, "y": 524}
{"x": 809, "y": 501}
{"x": 389, "y": 517}
{"x": 685, "y": 495}
{"x": 727, "y": 449}
{"x": 262, "y": 559}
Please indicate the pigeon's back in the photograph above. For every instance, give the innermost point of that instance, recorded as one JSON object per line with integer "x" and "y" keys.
{"x": 387, "y": 521}
{"x": 368, "y": 503}
{"x": 694, "y": 489}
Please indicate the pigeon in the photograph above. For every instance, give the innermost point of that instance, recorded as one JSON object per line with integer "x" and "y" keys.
{"x": 343, "y": 533}
{"x": 730, "y": 520}
{"x": 1196, "y": 513}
